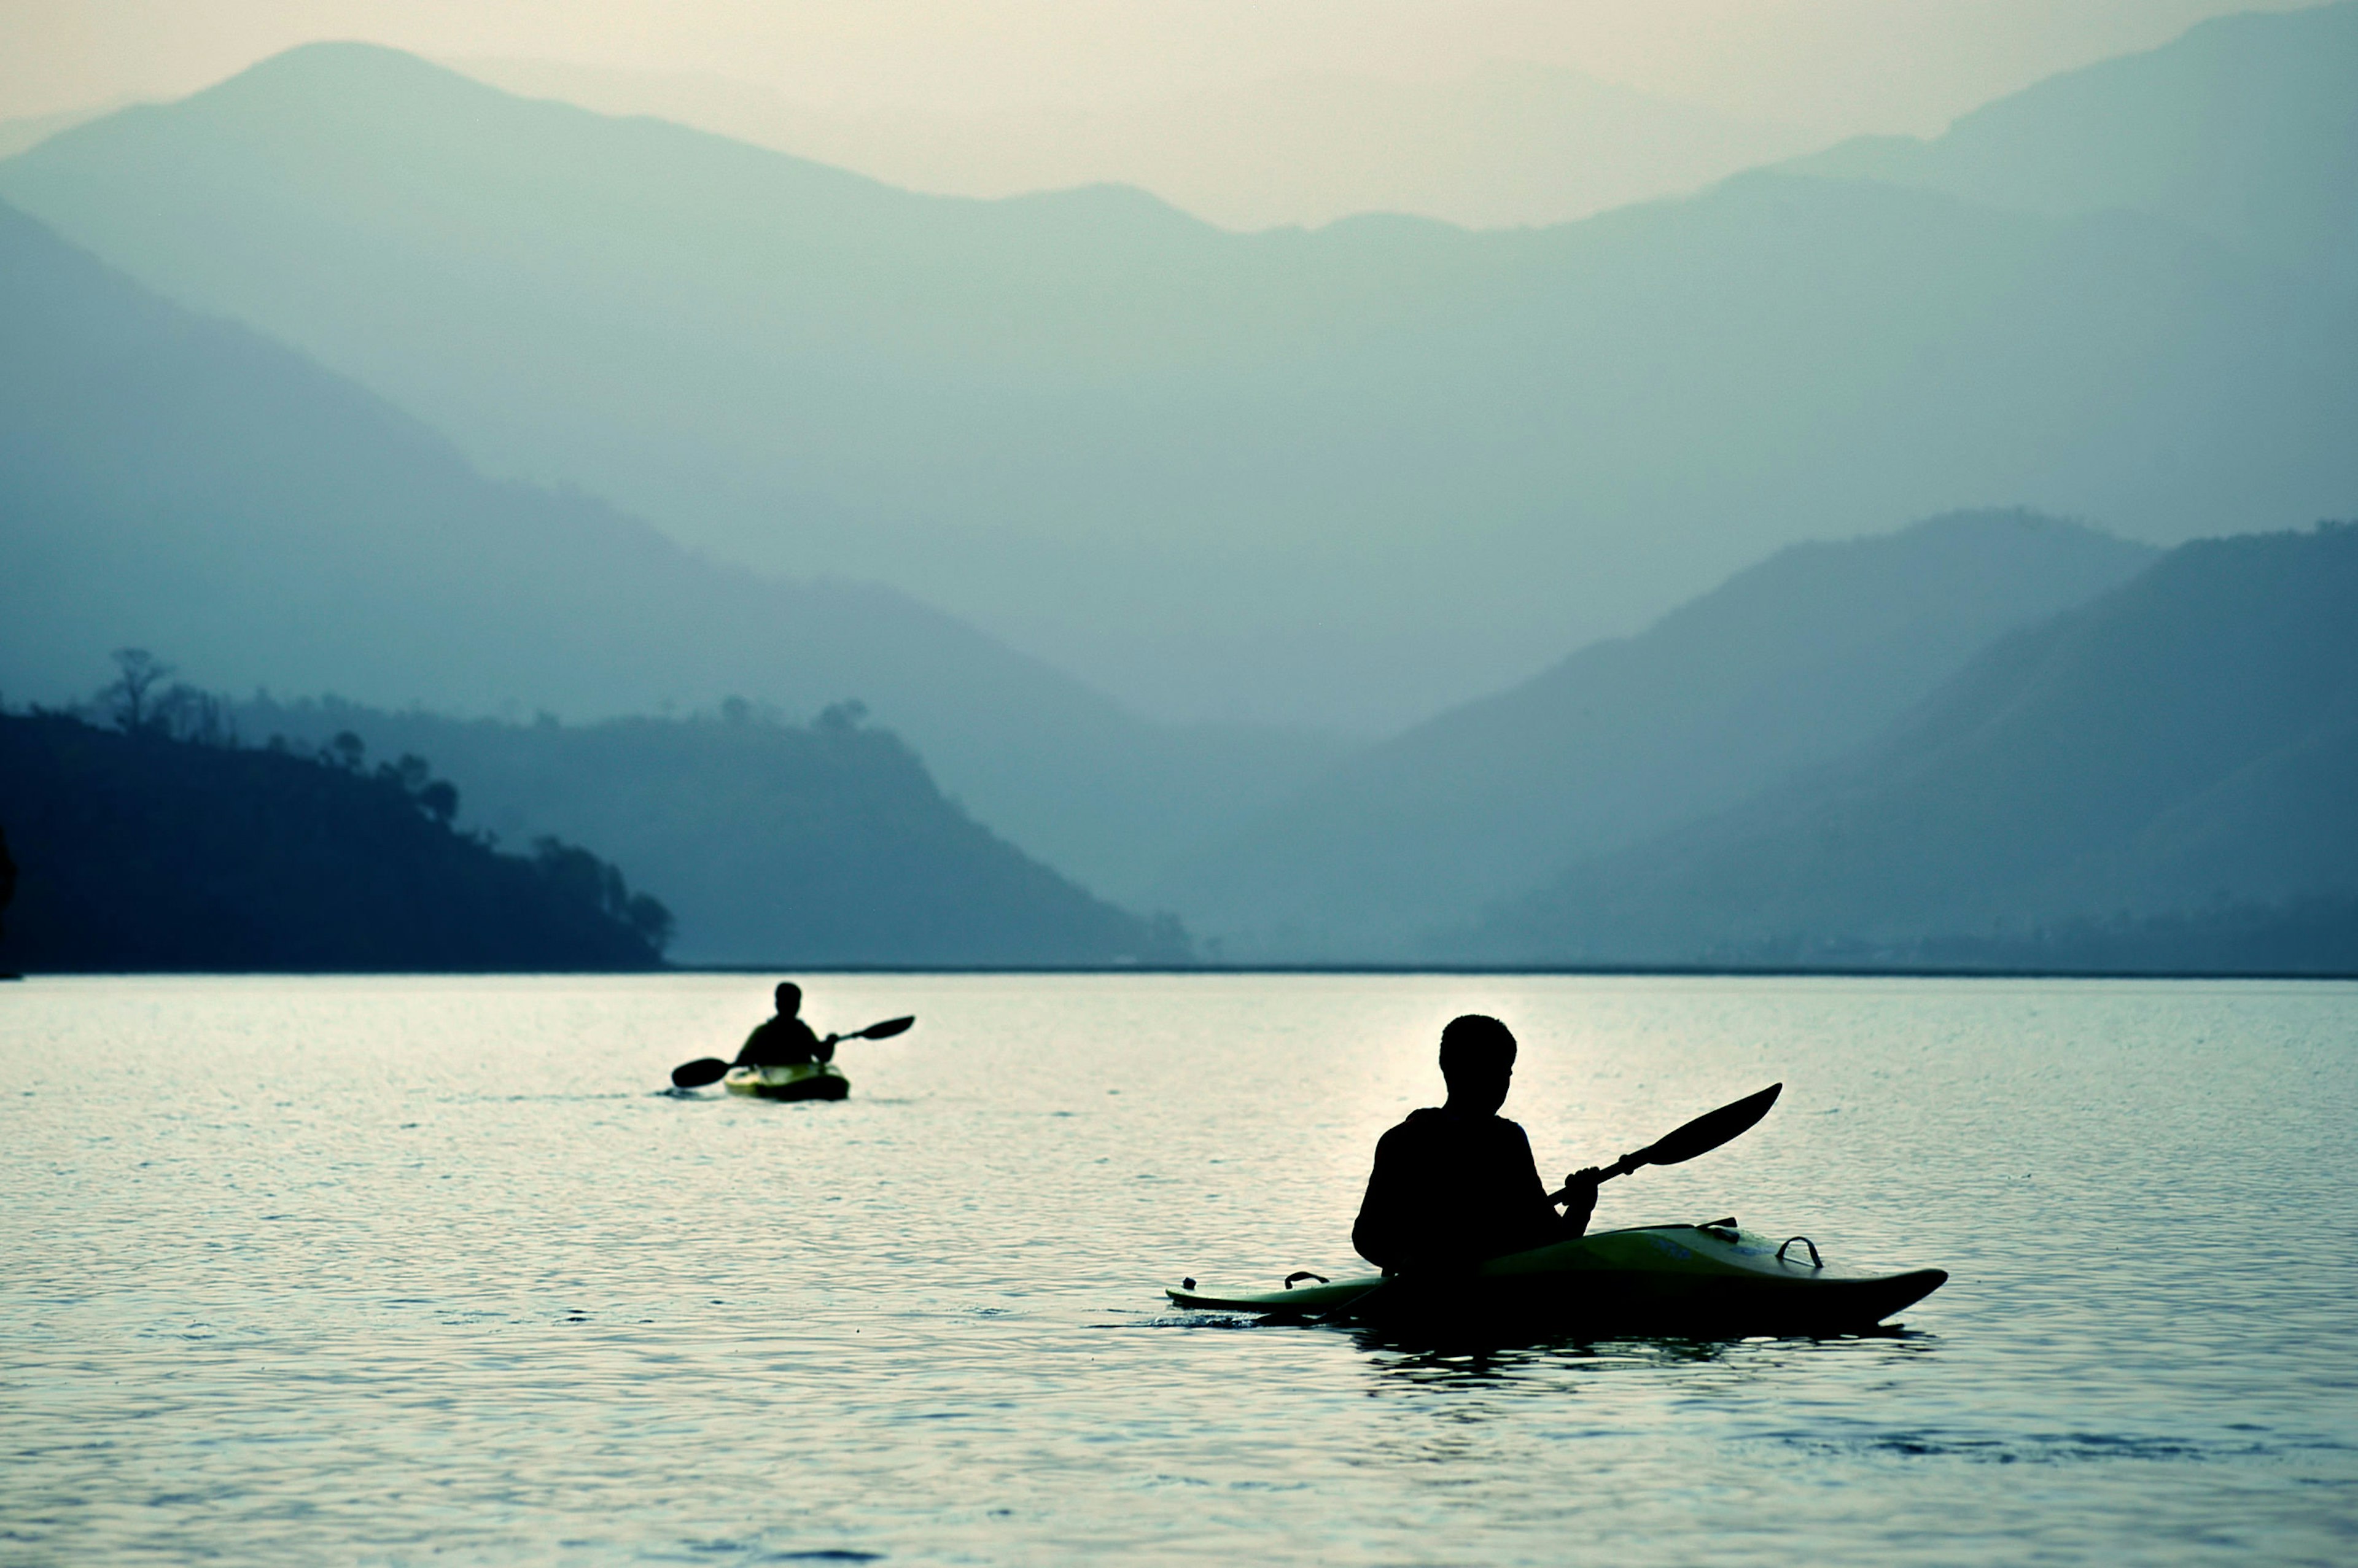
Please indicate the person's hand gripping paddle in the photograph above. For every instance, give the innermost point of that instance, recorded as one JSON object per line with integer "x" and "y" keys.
{"x": 712, "y": 1070}
{"x": 1701, "y": 1136}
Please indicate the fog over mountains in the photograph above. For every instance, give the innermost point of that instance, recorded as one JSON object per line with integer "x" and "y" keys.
{"x": 1793, "y": 662}
{"x": 1346, "y": 476}
{"x": 181, "y": 483}
{"x": 2245, "y": 130}
{"x": 2187, "y": 742}
{"x": 1798, "y": 567}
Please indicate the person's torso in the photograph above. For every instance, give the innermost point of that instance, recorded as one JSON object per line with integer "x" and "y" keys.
{"x": 782, "y": 1042}
{"x": 1464, "y": 1183}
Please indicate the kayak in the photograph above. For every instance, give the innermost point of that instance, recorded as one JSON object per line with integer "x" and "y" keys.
{"x": 804, "y": 1080}
{"x": 1712, "y": 1281}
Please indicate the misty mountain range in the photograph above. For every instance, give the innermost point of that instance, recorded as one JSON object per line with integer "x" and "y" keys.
{"x": 2245, "y": 130}
{"x": 1795, "y": 662}
{"x": 1342, "y": 477}
{"x": 1508, "y": 145}
{"x": 2187, "y": 742}
{"x": 183, "y": 484}
{"x": 354, "y": 376}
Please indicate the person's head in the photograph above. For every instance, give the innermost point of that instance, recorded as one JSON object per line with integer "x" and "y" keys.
{"x": 1477, "y": 1061}
{"x": 790, "y": 999}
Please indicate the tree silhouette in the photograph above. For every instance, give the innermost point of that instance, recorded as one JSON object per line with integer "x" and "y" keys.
{"x": 841, "y": 717}
{"x": 189, "y": 713}
{"x": 646, "y": 915}
{"x": 439, "y": 800}
{"x": 141, "y": 672}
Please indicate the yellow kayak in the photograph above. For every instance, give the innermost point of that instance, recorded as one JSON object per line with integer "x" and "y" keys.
{"x": 804, "y": 1080}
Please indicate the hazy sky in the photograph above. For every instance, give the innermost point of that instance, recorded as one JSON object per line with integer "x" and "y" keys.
{"x": 1833, "y": 65}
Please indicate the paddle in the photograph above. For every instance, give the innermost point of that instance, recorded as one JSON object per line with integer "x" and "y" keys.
{"x": 712, "y": 1070}
{"x": 1701, "y": 1136}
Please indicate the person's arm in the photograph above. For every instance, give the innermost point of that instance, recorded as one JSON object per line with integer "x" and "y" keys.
{"x": 746, "y": 1053}
{"x": 1542, "y": 1223}
{"x": 1537, "y": 1220}
{"x": 1377, "y": 1235}
{"x": 825, "y": 1049}
{"x": 1580, "y": 1200}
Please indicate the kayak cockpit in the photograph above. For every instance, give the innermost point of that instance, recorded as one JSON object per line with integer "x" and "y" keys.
{"x": 803, "y": 1080}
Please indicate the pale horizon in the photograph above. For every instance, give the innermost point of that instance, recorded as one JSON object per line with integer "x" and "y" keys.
{"x": 1504, "y": 114}
{"x": 1832, "y": 67}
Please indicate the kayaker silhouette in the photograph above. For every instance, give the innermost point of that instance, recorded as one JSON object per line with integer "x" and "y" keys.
{"x": 1456, "y": 1183}
{"x": 786, "y": 1041}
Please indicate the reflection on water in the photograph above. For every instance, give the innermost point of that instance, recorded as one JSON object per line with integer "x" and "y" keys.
{"x": 331, "y": 1270}
{"x": 1431, "y": 1367}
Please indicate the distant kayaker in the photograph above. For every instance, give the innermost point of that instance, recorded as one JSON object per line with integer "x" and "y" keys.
{"x": 1456, "y": 1183}
{"x": 786, "y": 1041}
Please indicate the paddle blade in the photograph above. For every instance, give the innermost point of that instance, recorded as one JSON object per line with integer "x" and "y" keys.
{"x": 884, "y": 1030}
{"x": 1708, "y": 1131}
{"x": 696, "y": 1074}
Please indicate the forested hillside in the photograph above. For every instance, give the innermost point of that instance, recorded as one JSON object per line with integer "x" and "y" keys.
{"x": 136, "y": 849}
{"x": 826, "y": 843}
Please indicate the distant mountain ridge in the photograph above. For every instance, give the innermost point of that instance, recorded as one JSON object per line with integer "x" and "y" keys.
{"x": 1508, "y": 145}
{"x": 1353, "y": 474}
{"x": 181, "y": 483}
{"x": 2187, "y": 742}
{"x": 1789, "y": 664}
{"x": 2245, "y": 129}
{"x": 17, "y": 135}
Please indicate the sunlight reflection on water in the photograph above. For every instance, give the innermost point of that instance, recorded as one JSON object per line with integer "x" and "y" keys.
{"x": 361, "y": 1269}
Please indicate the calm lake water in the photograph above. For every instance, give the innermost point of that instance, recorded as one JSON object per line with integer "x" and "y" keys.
{"x": 304, "y": 1270}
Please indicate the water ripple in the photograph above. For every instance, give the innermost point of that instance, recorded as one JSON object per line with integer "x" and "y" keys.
{"x": 380, "y": 1270}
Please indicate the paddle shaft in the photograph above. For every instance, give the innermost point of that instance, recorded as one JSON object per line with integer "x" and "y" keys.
{"x": 1701, "y": 1136}
{"x": 1620, "y": 1167}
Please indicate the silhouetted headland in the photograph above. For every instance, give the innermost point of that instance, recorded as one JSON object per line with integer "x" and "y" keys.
{"x": 140, "y": 850}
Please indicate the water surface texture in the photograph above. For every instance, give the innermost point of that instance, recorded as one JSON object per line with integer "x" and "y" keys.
{"x": 359, "y": 1270}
